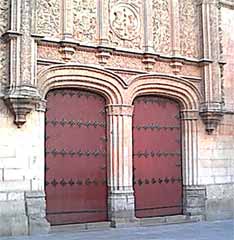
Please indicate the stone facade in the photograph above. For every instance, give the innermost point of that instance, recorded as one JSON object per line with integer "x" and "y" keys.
{"x": 175, "y": 48}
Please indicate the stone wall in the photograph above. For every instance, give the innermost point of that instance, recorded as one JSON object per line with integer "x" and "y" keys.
{"x": 227, "y": 26}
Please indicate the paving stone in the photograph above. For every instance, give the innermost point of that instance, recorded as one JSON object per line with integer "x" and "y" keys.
{"x": 218, "y": 230}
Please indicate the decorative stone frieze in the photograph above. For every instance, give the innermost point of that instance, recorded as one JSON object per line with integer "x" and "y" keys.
{"x": 48, "y": 17}
{"x": 190, "y": 30}
{"x": 85, "y": 20}
{"x": 161, "y": 26}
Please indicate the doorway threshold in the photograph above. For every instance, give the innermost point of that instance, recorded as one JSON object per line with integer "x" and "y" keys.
{"x": 81, "y": 227}
{"x": 175, "y": 219}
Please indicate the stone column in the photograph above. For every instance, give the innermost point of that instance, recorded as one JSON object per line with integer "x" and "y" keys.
{"x": 67, "y": 12}
{"x": 149, "y": 58}
{"x": 67, "y": 45}
{"x": 120, "y": 187}
{"x": 104, "y": 51}
{"x": 176, "y": 63}
{"x": 22, "y": 95}
{"x": 194, "y": 194}
{"x": 211, "y": 109}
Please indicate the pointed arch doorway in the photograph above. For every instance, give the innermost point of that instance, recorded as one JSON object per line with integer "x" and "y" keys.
{"x": 75, "y": 172}
{"x": 157, "y": 166}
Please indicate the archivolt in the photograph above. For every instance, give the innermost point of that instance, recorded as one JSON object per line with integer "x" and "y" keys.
{"x": 165, "y": 85}
{"x": 87, "y": 77}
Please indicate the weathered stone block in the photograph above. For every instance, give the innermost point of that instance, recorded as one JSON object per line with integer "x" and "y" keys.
{"x": 194, "y": 200}
{"x": 14, "y": 174}
{"x": 217, "y": 209}
{"x": 3, "y": 196}
{"x": 38, "y": 226}
{"x": 35, "y": 203}
{"x": 12, "y": 208}
{"x": 121, "y": 207}
{"x": 13, "y": 225}
{"x": 15, "y": 196}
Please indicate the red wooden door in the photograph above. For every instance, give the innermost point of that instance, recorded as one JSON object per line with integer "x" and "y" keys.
{"x": 75, "y": 174}
{"x": 157, "y": 157}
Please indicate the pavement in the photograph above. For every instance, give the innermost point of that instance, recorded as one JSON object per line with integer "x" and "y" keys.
{"x": 217, "y": 230}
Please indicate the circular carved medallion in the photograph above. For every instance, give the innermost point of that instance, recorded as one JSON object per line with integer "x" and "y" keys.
{"x": 125, "y": 21}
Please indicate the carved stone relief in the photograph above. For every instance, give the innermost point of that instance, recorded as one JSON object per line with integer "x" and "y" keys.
{"x": 4, "y": 8}
{"x": 125, "y": 61}
{"x": 190, "y": 34}
{"x": 125, "y": 23}
{"x": 49, "y": 52}
{"x": 48, "y": 17}
{"x": 85, "y": 20}
{"x": 161, "y": 26}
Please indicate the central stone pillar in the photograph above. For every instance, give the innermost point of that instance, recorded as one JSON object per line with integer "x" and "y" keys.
{"x": 120, "y": 187}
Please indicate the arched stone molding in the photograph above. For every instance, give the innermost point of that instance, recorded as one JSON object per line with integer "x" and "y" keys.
{"x": 119, "y": 117}
{"x": 188, "y": 96}
{"x": 89, "y": 77}
{"x": 177, "y": 88}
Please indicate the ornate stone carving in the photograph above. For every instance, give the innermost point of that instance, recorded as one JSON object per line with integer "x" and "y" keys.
{"x": 48, "y": 17}
{"x": 50, "y": 52}
{"x": 161, "y": 26}
{"x": 211, "y": 114}
{"x": 125, "y": 23}
{"x": 67, "y": 50}
{"x": 176, "y": 66}
{"x": 85, "y": 20}
{"x": 149, "y": 61}
{"x": 21, "y": 101}
{"x": 103, "y": 55}
{"x": 4, "y": 8}
{"x": 190, "y": 34}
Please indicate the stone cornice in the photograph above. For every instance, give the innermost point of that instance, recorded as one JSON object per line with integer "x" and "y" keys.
{"x": 227, "y": 3}
{"x": 115, "y": 50}
{"x": 10, "y": 34}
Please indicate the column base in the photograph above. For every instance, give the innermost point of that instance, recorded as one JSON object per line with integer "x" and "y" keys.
{"x": 194, "y": 200}
{"x": 35, "y": 203}
{"x": 121, "y": 208}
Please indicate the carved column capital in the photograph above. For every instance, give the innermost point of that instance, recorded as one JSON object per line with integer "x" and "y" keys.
{"x": 211, "y": 114}
{"x": 189, "y": 115}
{"x": 119, "y": 110}
{"x": 21, "y": 101}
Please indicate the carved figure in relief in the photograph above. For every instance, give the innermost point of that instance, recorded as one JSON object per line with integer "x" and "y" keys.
{"x": 124, "y": 21}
